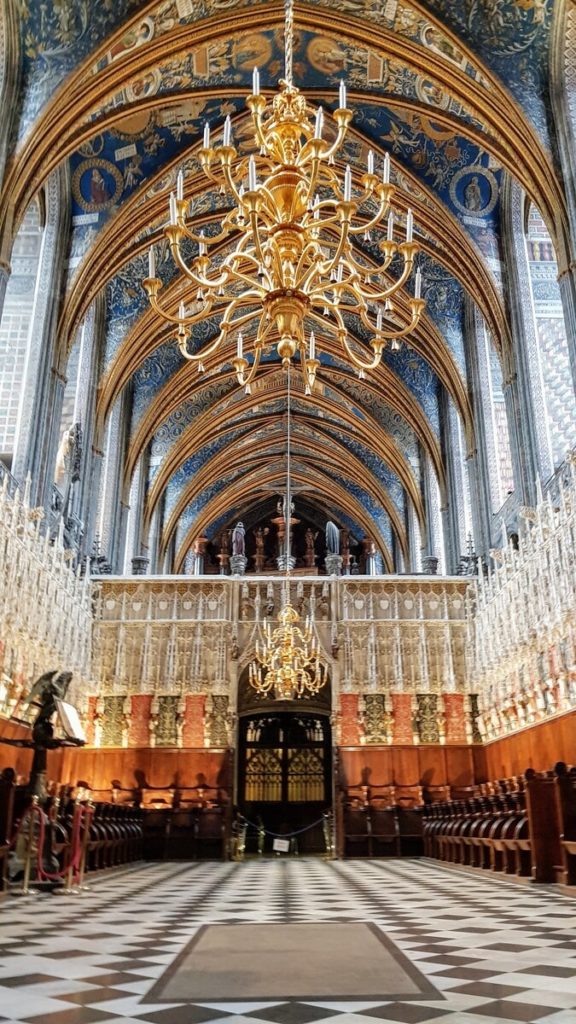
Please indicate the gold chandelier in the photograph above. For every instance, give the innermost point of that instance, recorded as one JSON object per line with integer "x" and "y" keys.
{"x": 288, "y": 661}
{"x": 294, "y": 272}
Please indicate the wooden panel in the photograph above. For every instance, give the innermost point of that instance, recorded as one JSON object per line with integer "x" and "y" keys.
{"x": 366, "y": 766}
{"x": 460, "y": 766}
{"x": 406, "y": 763}
{"x": 432, "y": 769}
{"x": 538, "y": 747}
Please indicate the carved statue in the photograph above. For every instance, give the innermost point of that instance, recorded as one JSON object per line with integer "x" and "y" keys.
{"x": 238, "y": 535}
{"x": 332, "y": 538}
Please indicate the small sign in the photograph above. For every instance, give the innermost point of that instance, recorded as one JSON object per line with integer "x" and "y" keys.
{"x": 125, "y": 151}
{"x": 281, "y": 846}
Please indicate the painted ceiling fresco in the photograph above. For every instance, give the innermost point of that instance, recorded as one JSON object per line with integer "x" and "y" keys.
{"x": 120, "y": 91}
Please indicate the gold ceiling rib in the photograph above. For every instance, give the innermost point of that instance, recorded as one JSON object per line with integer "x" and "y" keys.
{"x": 62, "y": 129}
{"x": 335, "y": 454}
{"x": 384, "y": 386}
{"x": 258, "y": 485}
{"x": 367, "y": 431}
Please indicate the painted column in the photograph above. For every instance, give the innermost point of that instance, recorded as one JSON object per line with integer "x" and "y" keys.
{"x": 456, "y": 517}
{"x": 434, "y": 547}
{"x": 111, "y": 513}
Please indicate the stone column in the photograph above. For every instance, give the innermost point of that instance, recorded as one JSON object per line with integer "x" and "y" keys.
{"x": 527, "y": 423}
{"x": 154, "y": 536}
{"x": 44, "y": 375}
{"x": 434, "y": 547}
{"x": 414, "y": 539}
{"x": 456, "y": 517}
{"x": 111, "y": 513}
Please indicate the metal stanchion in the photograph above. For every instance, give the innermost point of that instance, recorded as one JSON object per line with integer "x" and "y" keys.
{"x": 28, "y": 815}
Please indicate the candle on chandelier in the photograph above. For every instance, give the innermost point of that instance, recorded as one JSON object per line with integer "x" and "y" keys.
{"x": 319, "y": 123}
{"x": 181, "y": 311}
{"x": 347, "y": 184}
{"x": 342, "y": 95}
{"x": 409, "y": 225}
{"x": 379, "y": 321}
{"x": 312, "y": 345}
{"x": 418, "y": 284}
{"x": 340, "y": 273}
{"x": 202, "y": 247}
{"x": 252, "y": 174}
{"x": 255, "y": 82}
{"x": 151, "y": 262}
{"x": 207, "y": 135}
{"x": 227, "y": 139}
{"x": 370, "y": 162}
{"x": 180, "y": 186}
{"x": 173, "y": 209}
{"x": 386, "y": 169}
{"x": 239, "y": 346}
{"x": 390, "y": 231}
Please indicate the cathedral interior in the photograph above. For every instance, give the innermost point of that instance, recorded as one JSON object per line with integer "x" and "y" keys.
{"x": 288, "y": 511}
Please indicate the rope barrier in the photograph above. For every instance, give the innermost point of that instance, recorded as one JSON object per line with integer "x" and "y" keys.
{"x": 78, "y": 841}
{"x": 281, "y": 835}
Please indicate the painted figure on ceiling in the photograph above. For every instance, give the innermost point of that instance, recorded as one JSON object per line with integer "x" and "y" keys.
{"x": 473, "y": 195}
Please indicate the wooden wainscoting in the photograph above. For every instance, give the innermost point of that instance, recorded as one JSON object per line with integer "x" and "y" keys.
{"x": 539, "y": 747}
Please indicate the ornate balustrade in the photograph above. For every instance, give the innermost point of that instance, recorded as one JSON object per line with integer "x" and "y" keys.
{"x": 45, "y": 608}
{"x": 523, "y": 617}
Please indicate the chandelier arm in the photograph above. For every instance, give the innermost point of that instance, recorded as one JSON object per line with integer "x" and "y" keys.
{"x": 205, "y": 157}
{"x": 233, "y": 325}
{"x": 198, "y": 357}
{"x": 359, "y": 363}
{"x": 185, "y": 321}
{"x": 302, "y": 277}
{"x": 389, "y": 292}
{"x": 256, "y": 238}
{"x": 323, "y": 321}
{"x": 208, "y": 239}
{"x": 309, "y": 367}
{"x": 183, "y": 266}
{"x": 376, "y": 219}
{"x": 342, "y": 116}
{"x": 257, "y": 106}
{"x": 342, "y": 246}
{"x": 364, "y": 270}
{"x": 241, "y": 364}
{"x": 239, "y": 276}
{"x": 303, "y": 283}
{"x": 417, "y": 305}
{"x": 229, "y": 180}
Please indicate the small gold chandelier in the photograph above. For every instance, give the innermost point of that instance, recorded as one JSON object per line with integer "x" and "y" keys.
{"x": 293, "y": 272}
{"x": 288, "y": 662}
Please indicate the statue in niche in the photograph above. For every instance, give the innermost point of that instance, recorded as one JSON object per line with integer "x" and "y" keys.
{"x": 310, "y": 556}
{"x": 473, "y": 195}
{"x": 332, "y": 538}
{"x": 238, "y": 539}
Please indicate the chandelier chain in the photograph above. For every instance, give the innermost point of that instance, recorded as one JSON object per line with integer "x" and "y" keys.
{"x": 289, "y": 41}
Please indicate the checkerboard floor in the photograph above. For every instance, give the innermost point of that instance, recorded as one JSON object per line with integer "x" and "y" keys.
{"x": 495, "y": 951}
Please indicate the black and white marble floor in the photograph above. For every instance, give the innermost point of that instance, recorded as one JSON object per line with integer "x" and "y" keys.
{"x": 496, "y": 951}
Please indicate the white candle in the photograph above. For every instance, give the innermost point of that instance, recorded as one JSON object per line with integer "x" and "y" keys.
{"x": 312, "y": 345}
{"x": 342, "y": 95}
{"x": 255, "y": 82}
{"x": 370, "y": 162}
{"x": 390, "y": 231}
{"x": 227, "y": 131}
{"x": 181, "y": 311}
{"x": 418, "y": 284}
{"x": 180, "y": 186}
{"x": 409, "y": 225}
{"x": 386, "y": 169}
{"x": 319, "y": 123}
{"x": 151, "y": 262}
{"x": 379, "y": 321}
{"x": 207, "y": 135}
{"x": 173, "y": 210}
{"x": 239, "y": 345}
{"x": 340, "y": 273}
{"x": 347, "y": 184}
{"x": 202, "y": 245}
{"x": 252, "y": 174}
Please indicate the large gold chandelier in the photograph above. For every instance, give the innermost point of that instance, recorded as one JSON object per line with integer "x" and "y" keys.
{"x": 294, "y": 272}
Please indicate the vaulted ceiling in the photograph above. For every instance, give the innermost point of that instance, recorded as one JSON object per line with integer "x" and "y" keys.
{"x": 454, "y": 91}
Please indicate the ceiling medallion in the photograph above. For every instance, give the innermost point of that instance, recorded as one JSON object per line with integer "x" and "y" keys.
{"x": 296, "y": 273}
